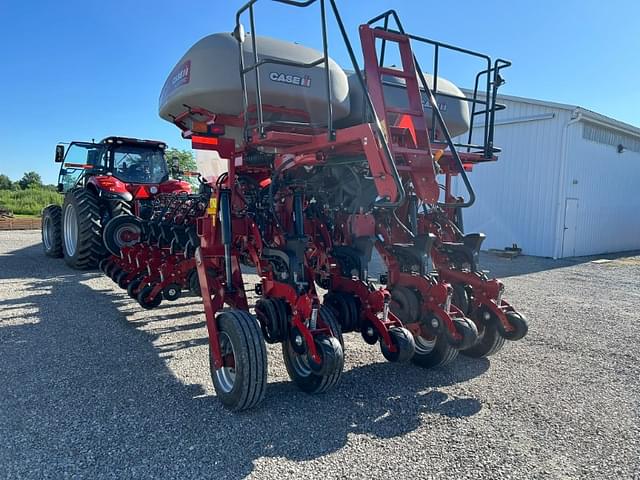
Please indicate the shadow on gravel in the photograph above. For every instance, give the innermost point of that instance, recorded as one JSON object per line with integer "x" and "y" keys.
{"x": 84, "y": 392}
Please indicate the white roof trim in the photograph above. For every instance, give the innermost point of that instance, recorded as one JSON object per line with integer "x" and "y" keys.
{"x": 577, "y": 112}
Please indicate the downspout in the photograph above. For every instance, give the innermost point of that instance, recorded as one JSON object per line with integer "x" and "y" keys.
{"x": 562, "y": 190}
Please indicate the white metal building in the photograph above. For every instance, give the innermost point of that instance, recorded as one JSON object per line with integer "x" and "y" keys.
{"x": 567, "y": 182}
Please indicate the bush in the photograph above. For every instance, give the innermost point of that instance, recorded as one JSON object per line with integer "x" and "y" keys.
{"x": 28, "y": 202}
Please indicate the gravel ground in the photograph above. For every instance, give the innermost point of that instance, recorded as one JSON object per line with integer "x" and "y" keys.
{"x": 92, "y": 386}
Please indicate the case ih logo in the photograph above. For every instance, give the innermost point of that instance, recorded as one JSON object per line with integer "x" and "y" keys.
{"x": 179, "y": 76}
{"x": 290, "y": 79}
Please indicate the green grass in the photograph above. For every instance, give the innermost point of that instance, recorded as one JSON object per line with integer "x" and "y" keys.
{"x": 28, "y": 202}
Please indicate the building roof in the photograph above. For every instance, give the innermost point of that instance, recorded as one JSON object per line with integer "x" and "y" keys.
{"x": 579, "y": 112}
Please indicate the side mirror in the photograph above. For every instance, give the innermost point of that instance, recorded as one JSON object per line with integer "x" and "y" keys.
{"x": 59, "y": 153}
{"x": 175, "y": 166}
{"x": 60, "y": 188}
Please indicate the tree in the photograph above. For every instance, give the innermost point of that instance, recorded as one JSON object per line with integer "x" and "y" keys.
{"x": 185, "y": 159}
{"x": 5, "y": 182}
{"x": 30, "y": 180}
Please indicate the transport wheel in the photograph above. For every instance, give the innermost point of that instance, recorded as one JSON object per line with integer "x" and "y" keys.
{"x": 405, "y": 345}
{"x": 81, "y": 229}
{"x": 145, "y": 302}
{"x": 133, "y": 287}
{"x": 519, "y": 323}
{"x": 489, "y": 342}
{"x": 121, "y": 231}
{"x": 194, "y": 283}
{"x": 241, "y": 381}
{"x": 405, "y": 304}
{"x": 433, "y": 350}
{"x": 172, "y": 292}
{"x": 312, "y": 378}
{"x": 52, "y": 231}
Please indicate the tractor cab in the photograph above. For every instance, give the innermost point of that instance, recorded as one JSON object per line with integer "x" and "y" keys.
{"x": 127, "y": 160}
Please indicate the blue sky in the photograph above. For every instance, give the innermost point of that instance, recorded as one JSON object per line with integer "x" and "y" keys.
{"x": 77, "y": 70}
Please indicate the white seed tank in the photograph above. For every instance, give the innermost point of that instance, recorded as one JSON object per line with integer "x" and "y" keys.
{"x": 208, "y": 76}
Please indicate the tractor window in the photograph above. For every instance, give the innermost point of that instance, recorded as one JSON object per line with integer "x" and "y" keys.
{"x": 133, "y": 164}
{"x": 80, "y": 158}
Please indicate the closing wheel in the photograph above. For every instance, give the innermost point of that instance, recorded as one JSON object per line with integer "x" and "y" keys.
{"x": 404, "y": 343}
{"x": 520, "y": 325}
{"x": 346, "y": 310}
{"x": 241, "y": 381}
{"x": 433, "y": 350}
{"x": 121, "y": 231}
{"x": 172, "y": 292}
{"x": 52, "y": 231}
{"x": 489, "y": 342}
{"x": 405, "y": 304}
{"x": 121, "y": 279}
{"x": 132, "y": 288}
{"x": 145, "y": 301}
{"x": 114, "y": 272}
{"x": 467, "y": 330}
{"x": 104, "y": 264}
{"x": 312, "y": 379}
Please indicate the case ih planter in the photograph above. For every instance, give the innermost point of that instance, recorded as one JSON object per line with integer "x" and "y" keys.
{"x": 321, "y": 168}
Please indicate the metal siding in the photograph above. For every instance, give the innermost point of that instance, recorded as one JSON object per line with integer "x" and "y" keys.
{"x": 607, "y": 193}
{"x": 517, "y": 196}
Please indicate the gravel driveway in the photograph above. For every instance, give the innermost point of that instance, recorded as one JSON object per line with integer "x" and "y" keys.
{"x": 92, "y": 386}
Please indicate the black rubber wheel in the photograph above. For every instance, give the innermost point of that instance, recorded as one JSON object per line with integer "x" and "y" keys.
{"x": 489, "y": 342}
{"x": 52, "y": 231}
{"x": 133, "y": 286}
{"x": 145, "y": 302}
{"x": 194, "y": 283}
{"x": 241, "y": 382}
{"x": 103, "y": 264}
{"x": 114, "y": 272}
{"x": 330, "y": 349}
{"x": 172, "y": 292}
{"x": 433, "y": 351}
{"x": 121, "y": 231}
{"x": 461, "y": 298}
{"x": 346, "y": 310}
{"x": 121, "y": 279}
{"x": 405, "y": 345}
{"x": 520, "y": 324}
{"x": 469, "y": 332}
{"x": 405, "y": 304}
{"x": 82, "y": 229}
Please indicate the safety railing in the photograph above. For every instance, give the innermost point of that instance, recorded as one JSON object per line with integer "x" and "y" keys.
{"x": 489, "y": 76}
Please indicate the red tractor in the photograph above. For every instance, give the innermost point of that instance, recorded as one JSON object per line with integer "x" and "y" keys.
{"x": 100, "y": 181}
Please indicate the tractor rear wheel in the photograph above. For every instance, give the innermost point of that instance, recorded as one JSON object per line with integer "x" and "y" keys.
{"x": 81, "y": 229}
{"x": 52, "y": 231}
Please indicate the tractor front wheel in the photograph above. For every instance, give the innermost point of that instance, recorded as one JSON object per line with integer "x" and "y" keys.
{"x": 52, "y": 231}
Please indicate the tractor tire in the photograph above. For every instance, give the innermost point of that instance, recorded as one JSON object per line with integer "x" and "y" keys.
{"x": 241, "y": 382}
{"x": 52, "y": 231}
{"x": 82, "y": 229}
